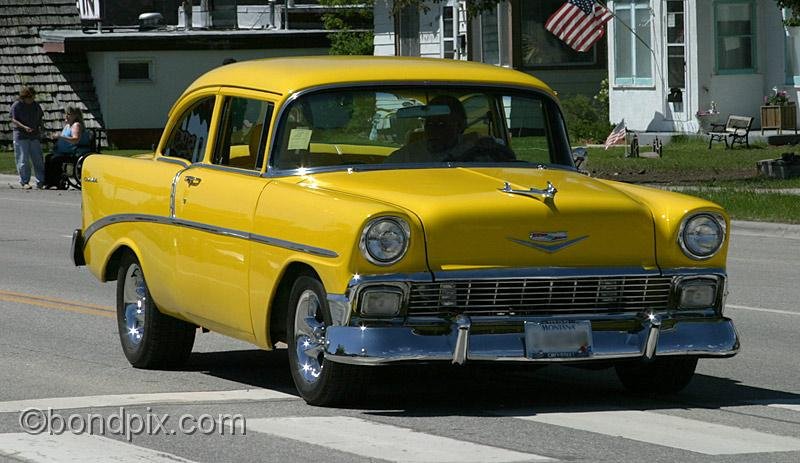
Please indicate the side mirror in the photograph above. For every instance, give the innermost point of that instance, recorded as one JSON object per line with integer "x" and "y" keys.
{"x": 579, "y": 155}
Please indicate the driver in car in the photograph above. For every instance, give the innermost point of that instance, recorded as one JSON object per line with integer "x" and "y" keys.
{"x": 444, "y": 139}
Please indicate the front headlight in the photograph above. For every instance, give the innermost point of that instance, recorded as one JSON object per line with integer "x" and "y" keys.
{"x": 384, "y": 240}
{"x": 702, "y": 235}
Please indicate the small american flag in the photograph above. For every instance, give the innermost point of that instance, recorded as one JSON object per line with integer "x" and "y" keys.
{"x": 579, "y": 23}
{"x": 616, "y": 135}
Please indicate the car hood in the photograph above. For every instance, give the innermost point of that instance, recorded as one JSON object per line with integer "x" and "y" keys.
{"x": 469, "y": 223}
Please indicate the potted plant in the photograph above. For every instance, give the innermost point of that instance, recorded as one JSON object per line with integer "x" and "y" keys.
{"x": 778, "y": 112}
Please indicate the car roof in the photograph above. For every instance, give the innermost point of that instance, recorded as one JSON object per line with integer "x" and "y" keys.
{"x": 285, "y": 76}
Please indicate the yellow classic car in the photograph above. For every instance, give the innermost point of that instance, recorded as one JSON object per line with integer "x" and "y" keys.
{"x": 369, "y": 211}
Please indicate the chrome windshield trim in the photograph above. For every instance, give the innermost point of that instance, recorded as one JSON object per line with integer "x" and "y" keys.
{"x": 121, "y": 218}
{"x": 271, "y": 171}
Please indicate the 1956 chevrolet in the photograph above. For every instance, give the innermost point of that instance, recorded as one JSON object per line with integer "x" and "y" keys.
{"x": 367, "y": 211}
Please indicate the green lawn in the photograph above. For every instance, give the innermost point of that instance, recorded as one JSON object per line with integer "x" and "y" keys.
{"x": 7, "y": 164}
{"x": 684, "y": 162}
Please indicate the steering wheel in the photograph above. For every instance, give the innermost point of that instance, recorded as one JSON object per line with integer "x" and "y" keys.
{"x": 486, "y": 149}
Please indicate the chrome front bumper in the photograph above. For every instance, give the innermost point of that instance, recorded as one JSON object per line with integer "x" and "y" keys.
{"x": 502, "y": 339}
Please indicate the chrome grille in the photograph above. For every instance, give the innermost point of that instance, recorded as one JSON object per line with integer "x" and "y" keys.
{"x": 530, "y": 296}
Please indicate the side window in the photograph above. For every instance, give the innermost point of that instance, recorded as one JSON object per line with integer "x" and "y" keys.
{"x": 189, "y": 136}
{"x": 240, "y": 141}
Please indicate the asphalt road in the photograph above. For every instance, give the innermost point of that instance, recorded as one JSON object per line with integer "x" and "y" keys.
{"x": 59, "y": 349}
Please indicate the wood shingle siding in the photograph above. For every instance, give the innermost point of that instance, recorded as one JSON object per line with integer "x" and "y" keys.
{"x": 58, "y": 78}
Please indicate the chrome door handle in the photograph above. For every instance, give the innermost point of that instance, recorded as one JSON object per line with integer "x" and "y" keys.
{"x": 192, "y": 181}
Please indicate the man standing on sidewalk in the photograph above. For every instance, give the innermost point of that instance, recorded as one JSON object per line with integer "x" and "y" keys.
{"x": 26, "y": 119}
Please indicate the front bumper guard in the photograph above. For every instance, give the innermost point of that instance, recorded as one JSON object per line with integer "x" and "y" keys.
{"x": 474, "y": 339}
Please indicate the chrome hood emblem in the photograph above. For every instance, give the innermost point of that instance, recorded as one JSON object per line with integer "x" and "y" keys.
{"x": 549, "y": 242}
{"x": 549, "y": 192}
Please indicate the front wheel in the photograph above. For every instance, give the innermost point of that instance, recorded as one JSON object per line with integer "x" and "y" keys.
{"x": 318, "y": 380}
{"x": 149, "y": 338}
{"x": 666, "y": 375}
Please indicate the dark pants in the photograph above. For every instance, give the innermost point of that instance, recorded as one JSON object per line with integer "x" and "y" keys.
{"x": 54, "y": 168}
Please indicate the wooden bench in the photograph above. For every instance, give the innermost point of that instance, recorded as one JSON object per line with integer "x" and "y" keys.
{"x": 737, "y": 128}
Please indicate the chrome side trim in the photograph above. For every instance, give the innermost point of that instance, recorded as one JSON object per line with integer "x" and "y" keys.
{"x": 237, "y": 170}
{"x": 120, "y": 218}
{"x": 293, "y": 246}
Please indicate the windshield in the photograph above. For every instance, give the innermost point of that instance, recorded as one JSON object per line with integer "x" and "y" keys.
{"x": 418, "y": 126}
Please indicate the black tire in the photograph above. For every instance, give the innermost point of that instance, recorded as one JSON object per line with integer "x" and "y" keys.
{"x": 666, "y": 375}
{"x": 149, "y": 338}
{"x": 318, "y": 380}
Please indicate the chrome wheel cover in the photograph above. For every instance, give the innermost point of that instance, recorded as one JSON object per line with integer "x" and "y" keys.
{"x": 134, "y": 298}
{"x": 309, "y": 336}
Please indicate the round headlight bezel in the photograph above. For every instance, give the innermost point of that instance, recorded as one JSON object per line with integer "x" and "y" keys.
{"x": 690, "y": 223}
{"x": 366, "y": 251}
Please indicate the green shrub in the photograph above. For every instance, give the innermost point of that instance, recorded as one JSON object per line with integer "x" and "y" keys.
{"x": 587, "y": 119}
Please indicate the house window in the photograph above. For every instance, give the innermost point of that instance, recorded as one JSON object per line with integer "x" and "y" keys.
{"x": 135, "y": 71}
{"x": 491, "y": 36}
{"x": 540, "y": 48}
{"x": 734, "y": 26}
{"x": 633, "y": 63}
{"x": 448, "y": 29}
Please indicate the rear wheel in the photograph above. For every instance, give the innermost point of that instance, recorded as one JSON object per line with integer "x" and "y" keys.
{"x": 318, "y": 380}
{"x": 149, "y": 338}
{"x": 665, "y": 375}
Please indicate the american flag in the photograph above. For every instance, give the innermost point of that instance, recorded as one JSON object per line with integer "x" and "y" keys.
{"x": 579, "y": 23}
{"x": 616, "y": 135}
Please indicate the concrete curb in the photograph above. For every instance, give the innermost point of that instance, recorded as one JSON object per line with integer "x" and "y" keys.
{"x": 776, "y": 230}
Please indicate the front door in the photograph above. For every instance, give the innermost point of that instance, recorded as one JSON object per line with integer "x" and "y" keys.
{"x": 214, "y": 205}
{"x": 676, "y": 61}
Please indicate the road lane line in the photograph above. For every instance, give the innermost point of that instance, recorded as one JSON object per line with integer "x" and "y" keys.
{"x": 758, "y": 309}
{"x": 83, "y": 448}
{"x": 122, "y": 400}
{"x": 76, "y": 308}
{"x": 58, "y": 301}
{"x": 669, "y": 431}
{"x": 383, "y": 441}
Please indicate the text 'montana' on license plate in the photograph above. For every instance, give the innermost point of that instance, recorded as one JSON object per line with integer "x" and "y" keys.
{"x": 558, "y": 339}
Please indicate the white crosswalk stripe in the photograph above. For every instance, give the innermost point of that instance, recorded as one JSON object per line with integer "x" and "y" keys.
{"x": 670, "y": 431}
{"x": 383, "y": 441}
{"x": 121, "y": 400}
{"x": 69, "y": 448}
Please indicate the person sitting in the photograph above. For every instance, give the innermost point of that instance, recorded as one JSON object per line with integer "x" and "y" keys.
{"x": 444, "y": 140}
{"x": 69, "y": 144}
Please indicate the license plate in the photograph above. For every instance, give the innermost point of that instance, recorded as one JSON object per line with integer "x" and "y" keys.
{"x": 558, "y": 339}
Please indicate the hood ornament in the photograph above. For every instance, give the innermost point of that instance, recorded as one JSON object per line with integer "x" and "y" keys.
{"x": 548, "y": 193}
{"x": 548, "y": 242}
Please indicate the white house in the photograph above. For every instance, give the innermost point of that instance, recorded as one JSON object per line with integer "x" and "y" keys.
{"x": 511, "y": 35}
{"x": 669, "y": 59}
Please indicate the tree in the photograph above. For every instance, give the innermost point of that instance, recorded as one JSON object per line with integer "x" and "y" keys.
{"x": 353, "y": 26}
{"x": 474, "y": 7}
{"x": 794, "y": 7}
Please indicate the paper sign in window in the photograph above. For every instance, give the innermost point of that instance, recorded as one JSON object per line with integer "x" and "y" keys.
{"x": 299, "y": 139}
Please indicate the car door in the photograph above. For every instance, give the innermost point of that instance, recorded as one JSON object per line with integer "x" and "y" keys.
{"x": 214, "y": 203}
